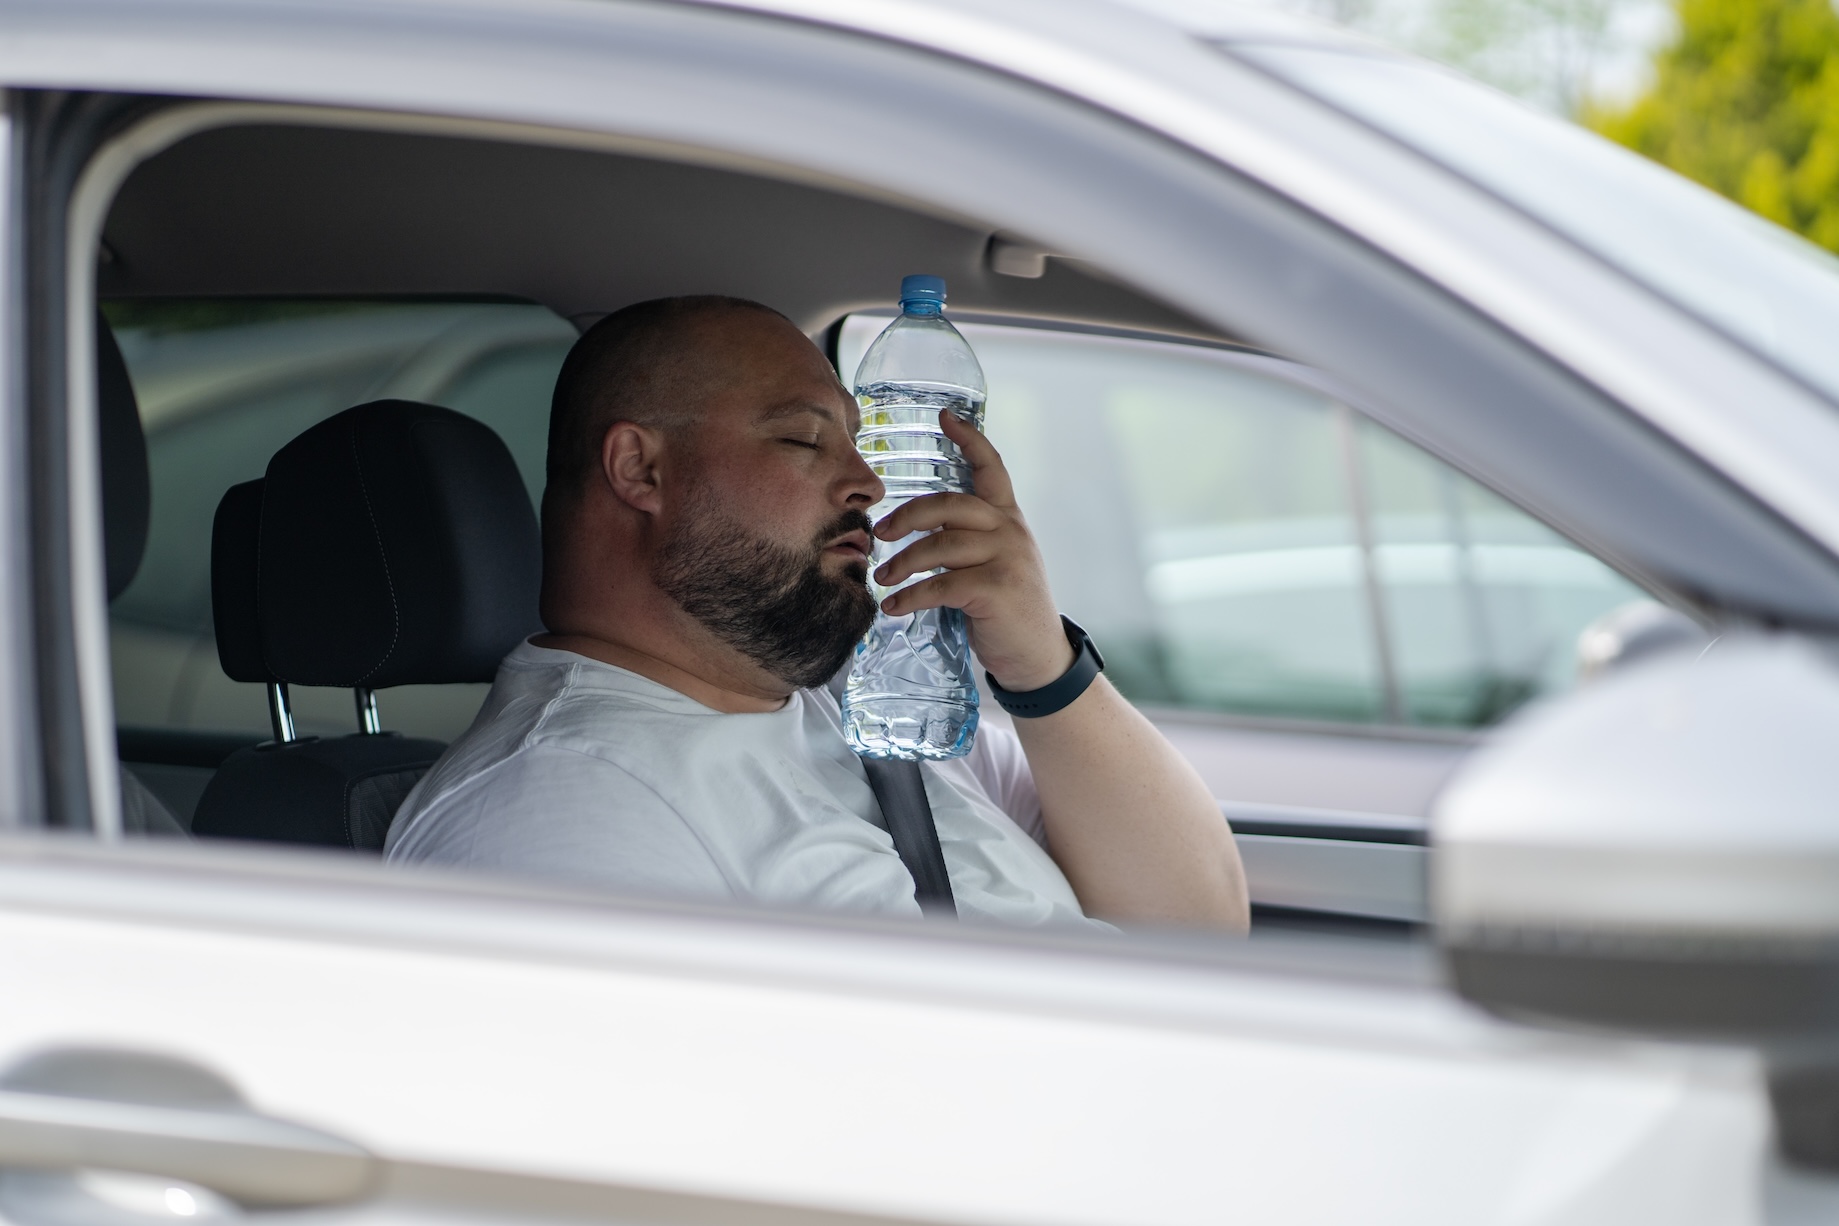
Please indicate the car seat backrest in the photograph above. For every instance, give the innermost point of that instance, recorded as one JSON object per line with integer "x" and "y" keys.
{"x": 126, "y": 499}
{"x": 392, "y": 544}
{"x": 236, "y": 532}
{"x": 235, "y": 543}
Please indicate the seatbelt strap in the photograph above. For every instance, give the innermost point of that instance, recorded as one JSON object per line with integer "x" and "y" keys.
{"x": 901, "y": 793}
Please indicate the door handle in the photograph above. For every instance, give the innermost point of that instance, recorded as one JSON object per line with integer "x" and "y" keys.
{"x": 107, "y": 1110}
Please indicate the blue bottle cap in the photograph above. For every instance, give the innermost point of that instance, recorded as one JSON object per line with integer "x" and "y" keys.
{"x": 920, "y": 288}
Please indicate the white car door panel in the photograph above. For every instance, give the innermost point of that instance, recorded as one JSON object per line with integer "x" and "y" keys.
{"x": 882, "y": 1071}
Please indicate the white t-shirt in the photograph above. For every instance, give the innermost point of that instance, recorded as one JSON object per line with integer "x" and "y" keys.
{"x": 577, "y": 770}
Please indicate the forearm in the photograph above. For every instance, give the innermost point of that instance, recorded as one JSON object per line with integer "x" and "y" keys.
{"x": 1137, "y": 833}
{"x": 1131, "y": 825}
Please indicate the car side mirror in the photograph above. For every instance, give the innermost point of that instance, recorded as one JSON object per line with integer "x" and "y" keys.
{"x": 1658, "y": 854}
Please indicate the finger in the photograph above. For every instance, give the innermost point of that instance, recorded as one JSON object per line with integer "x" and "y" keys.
{"x": 952, "y": 590}
{"x": 952, "y": 550}
{"x": 989, "y": 475}
{"x": 939, "y": 511}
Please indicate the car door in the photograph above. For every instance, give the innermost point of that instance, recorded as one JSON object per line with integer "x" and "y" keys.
{"x": 404, "y": 1046}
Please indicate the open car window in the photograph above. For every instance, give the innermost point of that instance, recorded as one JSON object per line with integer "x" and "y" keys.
{"x": 1240, "y": 543}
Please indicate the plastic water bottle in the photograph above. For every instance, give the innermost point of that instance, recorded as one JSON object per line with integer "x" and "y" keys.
{"x": 911, "y": 693}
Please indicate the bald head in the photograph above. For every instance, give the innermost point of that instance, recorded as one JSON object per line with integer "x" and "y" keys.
{"x": 653, "y": 363}
{"x": 707, "y": 509}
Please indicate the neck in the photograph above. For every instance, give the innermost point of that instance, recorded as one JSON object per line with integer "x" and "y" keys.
{"x": 734, "y": 686}
{"x": 633, "y": 625}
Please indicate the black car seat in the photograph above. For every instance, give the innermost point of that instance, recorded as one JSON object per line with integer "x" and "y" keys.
{"x": 340, "y": 792}
{"x": 393, "y": 544}
{"x": 126, "y": 499}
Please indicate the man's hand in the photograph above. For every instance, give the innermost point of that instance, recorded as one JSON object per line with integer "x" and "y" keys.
{"x": 993, "y": 571}
{"x": 1135, "y": 830}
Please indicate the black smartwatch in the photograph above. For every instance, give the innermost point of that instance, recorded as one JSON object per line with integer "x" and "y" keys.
{"x": 1055, "y": 695}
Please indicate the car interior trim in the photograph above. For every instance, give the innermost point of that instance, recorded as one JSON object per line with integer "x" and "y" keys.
{"x": 1369, "y": 880}
{"x": 1430, "y": 734}
{"x": 89, "y": 588}
{"x": 75, "y": 696}
{"x": 1302, "y": 822}
{"x": 78, "y": 217}
{"x": 1079, "y": 327}
{"x": 175, "y": 120}
{"x": 20, "y": 795}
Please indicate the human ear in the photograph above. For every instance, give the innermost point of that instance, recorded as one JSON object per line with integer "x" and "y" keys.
{"x": 629, "y": 455}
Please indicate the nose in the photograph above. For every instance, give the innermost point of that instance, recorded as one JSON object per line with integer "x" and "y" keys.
{"x": 861, "y": 488}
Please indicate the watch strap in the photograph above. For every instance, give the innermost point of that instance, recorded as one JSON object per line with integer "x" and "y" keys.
{"x": 1055, "y": 695}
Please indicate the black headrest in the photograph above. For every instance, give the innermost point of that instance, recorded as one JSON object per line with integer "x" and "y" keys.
{"x": 126, "y": 488}
{"x": 235, "y": 542}
{"x": 398, "y": 547}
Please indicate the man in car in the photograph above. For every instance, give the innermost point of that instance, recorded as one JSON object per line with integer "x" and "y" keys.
{"x": 706, "y": 550}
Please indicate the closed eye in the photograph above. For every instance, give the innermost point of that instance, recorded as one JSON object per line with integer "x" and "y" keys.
{"x": 811, "y": 441}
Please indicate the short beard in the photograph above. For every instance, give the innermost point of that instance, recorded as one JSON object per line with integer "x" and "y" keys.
{"x": 771, "y": 602}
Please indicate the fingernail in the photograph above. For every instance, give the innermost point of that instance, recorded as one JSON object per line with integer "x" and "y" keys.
{"x": 881, "y": 574}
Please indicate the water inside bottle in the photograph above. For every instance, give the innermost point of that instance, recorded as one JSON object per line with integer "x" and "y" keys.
{"x": 911, "y": 693}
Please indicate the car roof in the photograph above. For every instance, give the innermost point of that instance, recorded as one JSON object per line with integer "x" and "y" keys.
{"x": 1048, "y": 40}
{"x": 1118, "y": 27}
{"x": 1225, "y": 20}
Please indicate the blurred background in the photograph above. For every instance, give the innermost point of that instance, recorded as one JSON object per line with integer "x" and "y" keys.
{"x": 1740, "y": 95}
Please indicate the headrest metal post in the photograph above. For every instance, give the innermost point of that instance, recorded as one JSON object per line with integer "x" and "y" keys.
{"x": 369, "y": 721}
{"x": 280, "y": 712}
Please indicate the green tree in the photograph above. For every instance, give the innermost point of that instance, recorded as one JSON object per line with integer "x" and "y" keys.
{"x": 1746, "y": 101}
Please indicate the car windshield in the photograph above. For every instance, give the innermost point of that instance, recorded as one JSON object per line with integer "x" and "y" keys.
{"x": 1759, "y": 283}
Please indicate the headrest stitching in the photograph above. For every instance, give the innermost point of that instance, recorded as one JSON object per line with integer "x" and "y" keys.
{"x": 389, "y": 582}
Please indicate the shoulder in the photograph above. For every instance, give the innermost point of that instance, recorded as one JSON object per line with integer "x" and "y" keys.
{"x": 547, "y": 750}
{"x": 530, "y": 784}
{"x": 552, "y": 812}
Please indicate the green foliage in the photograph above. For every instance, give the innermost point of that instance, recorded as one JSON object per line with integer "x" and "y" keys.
{"x": 1746, "y": 101}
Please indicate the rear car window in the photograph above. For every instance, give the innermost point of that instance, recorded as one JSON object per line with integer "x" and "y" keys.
{"x": 222, "y": 386}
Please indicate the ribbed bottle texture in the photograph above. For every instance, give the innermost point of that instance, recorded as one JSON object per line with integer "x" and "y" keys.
{"x": 911, "y": 692}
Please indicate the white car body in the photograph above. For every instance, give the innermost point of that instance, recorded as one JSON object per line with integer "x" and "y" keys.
{"x": 510, "y": 1054}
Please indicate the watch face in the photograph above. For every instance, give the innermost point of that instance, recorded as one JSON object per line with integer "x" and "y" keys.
{"x": 1081, "y": 641}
